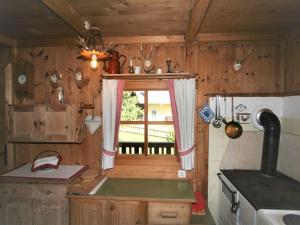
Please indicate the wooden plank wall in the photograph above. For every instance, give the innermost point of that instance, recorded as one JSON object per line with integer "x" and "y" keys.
{"x": 292, "y": 70}
{"x": 5, "y": 57}
{"x": 260, "y": 73}
{"x": 62, "y": 58}
{"x": 211, "y": 61}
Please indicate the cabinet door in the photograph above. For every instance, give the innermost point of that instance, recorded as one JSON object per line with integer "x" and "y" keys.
{"x": 49, "y": 212}
{"x": 124, "y": 213}
{"x": 16, "y": 211}
{"x": 58, "y": 123}
{"x": 23, "y": 123}
{"x": 88, "y": 212}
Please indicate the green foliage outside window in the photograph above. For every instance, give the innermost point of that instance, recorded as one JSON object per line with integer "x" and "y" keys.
{"x": 131, "y": 110}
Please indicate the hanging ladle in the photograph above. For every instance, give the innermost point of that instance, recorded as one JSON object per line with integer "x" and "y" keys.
{"x": 216, "y": 123}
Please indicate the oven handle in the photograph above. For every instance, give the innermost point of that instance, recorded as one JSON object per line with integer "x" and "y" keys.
{"x": 234, "y": 204}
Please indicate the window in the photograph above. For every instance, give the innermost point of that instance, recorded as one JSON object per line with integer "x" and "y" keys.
{"x": 146, "y": 126}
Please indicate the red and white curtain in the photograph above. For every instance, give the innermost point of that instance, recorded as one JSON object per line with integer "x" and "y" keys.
{"x": 111, "y": 107}
{"x": 182, "y": 96}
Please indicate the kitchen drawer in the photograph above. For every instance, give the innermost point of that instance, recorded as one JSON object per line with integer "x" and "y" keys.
{"x": 169, "y": 213}
{"x": 16, "y": 189}
{"x": 50, "y": 191}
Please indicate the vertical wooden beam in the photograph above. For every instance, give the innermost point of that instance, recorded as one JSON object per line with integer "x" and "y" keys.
{"x": 67, "y": 13}
{"x": 197, "y": 16}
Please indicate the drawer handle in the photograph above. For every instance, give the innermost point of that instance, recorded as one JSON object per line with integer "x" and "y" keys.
{"x": 168, "y": 214}
{"x": 112, "y": 207}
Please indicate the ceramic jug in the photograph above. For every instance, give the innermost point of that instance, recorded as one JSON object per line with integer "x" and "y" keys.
{"x": 113, "y": 65}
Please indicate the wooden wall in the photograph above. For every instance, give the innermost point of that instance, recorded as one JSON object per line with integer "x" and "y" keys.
{"x": 211, "y": 61}
{"x": 4, "y": 59}
{"x": 260, "y": 73}
{"x": 292, "y": 76}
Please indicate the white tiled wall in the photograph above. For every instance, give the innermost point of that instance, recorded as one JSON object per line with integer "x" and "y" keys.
{"x": 289, "y": 151}
{"x": 242, "y": 153}
{"x": 245, "y": 152}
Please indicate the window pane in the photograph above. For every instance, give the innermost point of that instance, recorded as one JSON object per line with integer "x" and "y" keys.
{"x": 131, "y": 139}
{"x": 133, "y": 106}
{"x": 159, "y": 106}
{"x": 161, "y": 140}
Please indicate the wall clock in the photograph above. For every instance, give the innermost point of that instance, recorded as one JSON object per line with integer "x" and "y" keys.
{"x": 23, "y": 79}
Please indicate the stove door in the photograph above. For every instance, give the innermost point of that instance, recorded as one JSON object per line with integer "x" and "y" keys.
{"x": 228, "y": 206}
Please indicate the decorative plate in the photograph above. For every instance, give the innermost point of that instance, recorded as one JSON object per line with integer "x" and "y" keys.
{"x": 206, "y": 113}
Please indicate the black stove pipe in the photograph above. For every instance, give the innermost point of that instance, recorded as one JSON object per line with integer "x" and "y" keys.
{"x": 271, "y": 125}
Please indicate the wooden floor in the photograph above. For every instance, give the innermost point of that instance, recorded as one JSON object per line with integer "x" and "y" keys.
{"x": 203, "y": 220}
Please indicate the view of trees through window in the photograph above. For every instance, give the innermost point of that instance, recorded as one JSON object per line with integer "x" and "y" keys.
{"x": 143, "y": 132}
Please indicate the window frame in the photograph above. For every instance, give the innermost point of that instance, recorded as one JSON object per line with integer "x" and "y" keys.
{"x": 146, "y": 87}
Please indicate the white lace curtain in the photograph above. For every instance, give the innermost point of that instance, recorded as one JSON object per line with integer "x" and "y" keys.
{"x": 111, "y": 107}
{"x": 182, "y": 95}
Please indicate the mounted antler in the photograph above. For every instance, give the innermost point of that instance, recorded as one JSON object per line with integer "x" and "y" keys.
{"x": 147, "y": 60}
{"x": 144, "y": 55}
{"x": 93, "y": 46}
{"x": 81, "y": 43}
{"x": 237, "y": 65}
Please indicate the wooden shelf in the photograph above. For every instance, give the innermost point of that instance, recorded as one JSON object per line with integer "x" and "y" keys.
{"x": 271, "y": 94}
{"x": 142, "y": 76}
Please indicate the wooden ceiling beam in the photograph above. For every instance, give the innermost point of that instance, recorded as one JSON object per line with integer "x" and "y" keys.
{"x": 67, "y": 13}
{"x": 206, "y": 37}
{"x": 116, "y": 40}
{"x": 7, "y": 41}
{"x": 197, "y": 17}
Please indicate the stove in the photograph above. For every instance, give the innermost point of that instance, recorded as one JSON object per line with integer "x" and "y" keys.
{"x": 278, "y": 217}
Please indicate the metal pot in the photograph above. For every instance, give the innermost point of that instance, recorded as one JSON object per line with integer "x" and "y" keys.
{"x": 233, "y": 129}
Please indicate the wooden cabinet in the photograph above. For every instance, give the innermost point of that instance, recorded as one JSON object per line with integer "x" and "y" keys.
{"x": 16, "y": 211}
{"x": 23, "y": 123}
{"x": 42, "y": 123}
{"x": 106, "y": 212}
{"x": 88, "y": 211}
{"x": 169, "y": 213}
{"x": 33, "y": 204}
{"x": 92, "y": 211}
{"x": 49, "y": 212}
{"x": 125, "y": 213}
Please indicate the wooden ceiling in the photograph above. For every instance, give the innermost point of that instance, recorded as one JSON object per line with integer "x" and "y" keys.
{"x": 227, "y": 16}
{"x": 26, "y": 19}
{"x": 136, "y": 17}
{"x": 35, "y": 20}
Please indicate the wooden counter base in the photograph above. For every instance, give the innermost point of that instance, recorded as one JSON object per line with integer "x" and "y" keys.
{"x": 119, "y": 202}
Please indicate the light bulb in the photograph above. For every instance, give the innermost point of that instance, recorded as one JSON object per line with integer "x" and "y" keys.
{"x": 94, "y": 63}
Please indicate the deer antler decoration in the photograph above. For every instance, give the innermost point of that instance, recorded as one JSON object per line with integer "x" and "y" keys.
{"x": 148, "y": 64}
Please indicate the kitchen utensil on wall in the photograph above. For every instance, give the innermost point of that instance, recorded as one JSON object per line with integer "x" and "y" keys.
{"x": 114, "y": 66}
{"x": 220, "y": 118}
{"x": 233, "y": 129}
{"x": 216, "y": 123}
